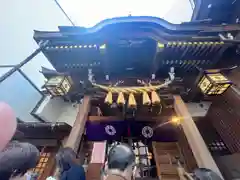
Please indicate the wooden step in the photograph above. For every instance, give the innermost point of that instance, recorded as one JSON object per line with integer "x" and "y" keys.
{"x": 168, "y": 145}
{"x": 170, "y": 177}
{"x": 165, "y": 156}
{"x": 172, "y": 152}
{"x": 168, "y": 169}
{"x": 146, "y": 178}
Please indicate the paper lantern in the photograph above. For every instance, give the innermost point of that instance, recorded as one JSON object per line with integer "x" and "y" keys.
{"x": 58, "y": 85}
{"x": 131, "y": 101}
{"x": 8, "y": 124}
{"x": 213, "y": 83}
{"x": 120, "y": 99}
{"x": 155, "y": 98}
{"x": 146, "y": 100}
{"x": 109, "y": 99}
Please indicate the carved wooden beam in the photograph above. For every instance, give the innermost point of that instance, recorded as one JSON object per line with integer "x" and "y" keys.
{"x": 117, "y": 118}
{"x": 104, "y": 118}
{"x": 195, "y": 140}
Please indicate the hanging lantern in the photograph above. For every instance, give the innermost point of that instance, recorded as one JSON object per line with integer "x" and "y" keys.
{"x": 102, "y": 49}
{"x": 214, "y": 83}
{"x": 120, "y": 99}
{"x": 109, "y": 99}
{"x": 160, "y": 47}
{"x": 131, "y": 101}
{"x": 155, "y": 98}
{"x": 58, "y": 85}
{"x": 146, "y": 100}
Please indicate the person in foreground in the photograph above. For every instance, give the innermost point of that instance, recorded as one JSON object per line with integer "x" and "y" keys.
{"x": 68, "y": 166}
{"x": 16, "y": 159}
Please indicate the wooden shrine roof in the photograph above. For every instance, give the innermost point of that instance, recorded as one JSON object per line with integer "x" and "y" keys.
{"x": 131, "y": 40}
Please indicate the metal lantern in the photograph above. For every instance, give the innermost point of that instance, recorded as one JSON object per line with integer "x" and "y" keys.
{"x": 58, "y": 85}
{"x": 103, "y": 48}
{"x": 214, "y": 83}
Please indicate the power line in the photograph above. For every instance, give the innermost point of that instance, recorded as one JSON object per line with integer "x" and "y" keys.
{"x": 64, "y": 12}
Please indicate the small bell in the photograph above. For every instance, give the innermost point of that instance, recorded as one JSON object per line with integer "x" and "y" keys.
{"x": 120, "y": 99}
{"x": 146, "y": 100}
{"x": 131, "y": 101}
{"x": 155, "y": 98}
{"x": 109, "y": 99}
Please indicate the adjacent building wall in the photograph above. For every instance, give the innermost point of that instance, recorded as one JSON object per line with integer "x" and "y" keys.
{"x": 56, "y": 110}
{"x": 18, "y": 19}
{"x": 225, "y": 117}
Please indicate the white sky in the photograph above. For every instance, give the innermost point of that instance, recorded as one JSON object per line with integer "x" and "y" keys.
{"x": 4, "y": 70}
{"x": 89, "y": 12}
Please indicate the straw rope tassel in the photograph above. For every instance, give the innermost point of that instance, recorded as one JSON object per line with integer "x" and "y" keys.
{"x": 109, "y": 99}
{"x": 146, "y": 100}
{"x": 155, "y": 98}
{"x": 120, "y": 99}
{"x": 131, "y": 101}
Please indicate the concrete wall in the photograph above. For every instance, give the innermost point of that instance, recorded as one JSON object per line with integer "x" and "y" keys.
{"x": 18, "y": 19}
{"x": 56, "y": 110}
{"x": 198, "y": 109}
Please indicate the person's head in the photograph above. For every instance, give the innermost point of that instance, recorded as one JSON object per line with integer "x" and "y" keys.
{"x": 65, "y": 158}
{"x": 17, "y": 158}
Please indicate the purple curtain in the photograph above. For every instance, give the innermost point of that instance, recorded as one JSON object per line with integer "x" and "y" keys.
{"x": 114, "y": 130}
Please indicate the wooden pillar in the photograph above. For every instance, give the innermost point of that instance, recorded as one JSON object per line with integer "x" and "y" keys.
{"x": 74, "y": 138}
{"x": 186, "y": 152}
{"x": 97, "y": 161}
{"x": 195, "y": 140}
{"x": 78, "y": 128}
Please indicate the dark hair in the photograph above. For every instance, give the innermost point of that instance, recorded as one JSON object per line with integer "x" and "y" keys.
{"x": 65, "y": 159}
{"x": 17, "y": 158}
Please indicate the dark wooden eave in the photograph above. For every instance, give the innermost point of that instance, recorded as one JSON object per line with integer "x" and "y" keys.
{"x": 48, "y": 73}
{"x": 42, "y": 131}
{"x": 66, "y": 56}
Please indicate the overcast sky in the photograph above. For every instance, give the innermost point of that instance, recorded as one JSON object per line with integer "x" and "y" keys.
{"x": 89, "y": 12}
